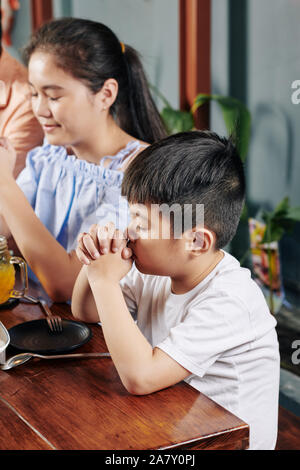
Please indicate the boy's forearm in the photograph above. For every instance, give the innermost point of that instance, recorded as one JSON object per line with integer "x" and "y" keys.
{"x": 83, "y": 303}
{"x": 130, "y": 351}
{"x": 43, "y": 253}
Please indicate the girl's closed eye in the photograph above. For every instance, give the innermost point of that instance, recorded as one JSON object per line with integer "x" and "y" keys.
{"x": 54, "y": 99}
{"x": 34, "y": 94}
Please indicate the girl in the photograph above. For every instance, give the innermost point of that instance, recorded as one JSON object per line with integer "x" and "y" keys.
{"x": 90, "y": 94}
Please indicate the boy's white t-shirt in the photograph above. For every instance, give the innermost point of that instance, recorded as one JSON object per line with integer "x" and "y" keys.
{"x": 223, "y": 333}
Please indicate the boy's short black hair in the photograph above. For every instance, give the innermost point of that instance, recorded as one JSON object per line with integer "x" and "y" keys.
{"x": 196, "y": 167}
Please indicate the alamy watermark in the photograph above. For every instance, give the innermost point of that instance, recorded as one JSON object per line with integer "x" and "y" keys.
{"x": 296, "y": 354}
{"x": 172, "y": 220}
{"x": 153, "y": 221}
{"x": 295, "y": 98}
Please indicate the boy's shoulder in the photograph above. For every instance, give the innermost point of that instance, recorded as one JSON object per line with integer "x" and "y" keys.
{"x": 228, "y": 282}
{"x": 227, "y": 299}
{"x": 227, "y": 276}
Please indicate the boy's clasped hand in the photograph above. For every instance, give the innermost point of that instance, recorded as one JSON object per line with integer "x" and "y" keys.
{"x": 104, "y": 250}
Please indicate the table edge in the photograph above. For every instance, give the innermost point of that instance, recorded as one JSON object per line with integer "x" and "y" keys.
{"x": 202, "y": 439}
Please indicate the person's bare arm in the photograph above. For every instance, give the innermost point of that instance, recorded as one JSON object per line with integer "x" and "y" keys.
{"x": 141, "y": 368}
{"x": 83, "y": 303}
{"x": 56, "y": 269}
{"x": 6, "y": 152}
{"x": 4, "y": 230}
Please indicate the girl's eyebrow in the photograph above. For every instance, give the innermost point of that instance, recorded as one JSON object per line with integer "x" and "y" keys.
{"x": 49, "y": 87}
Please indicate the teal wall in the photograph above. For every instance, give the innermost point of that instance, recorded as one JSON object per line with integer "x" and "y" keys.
{"x": 256, "y": 58}
{"x": 22, "y": 29}
{"x": 151, "y": 26}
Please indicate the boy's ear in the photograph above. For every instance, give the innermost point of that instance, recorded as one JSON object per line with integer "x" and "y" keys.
{"x": 200, "y": 241}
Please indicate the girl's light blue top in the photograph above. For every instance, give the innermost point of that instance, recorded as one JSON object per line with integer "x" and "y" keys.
{"x": 69, "y": 195}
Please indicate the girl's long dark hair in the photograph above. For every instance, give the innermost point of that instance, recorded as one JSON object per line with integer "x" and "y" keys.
{"x": 92, "y": 53}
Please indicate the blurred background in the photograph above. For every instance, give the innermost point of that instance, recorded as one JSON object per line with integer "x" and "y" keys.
{"x": 247, "y": 49}
{"x": 244, "y": 49}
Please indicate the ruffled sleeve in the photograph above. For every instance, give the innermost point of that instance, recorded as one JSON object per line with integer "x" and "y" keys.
{"x": 29, "y": 177}
{"x": 68, "y": 195}
{"x": 48, "y": 182}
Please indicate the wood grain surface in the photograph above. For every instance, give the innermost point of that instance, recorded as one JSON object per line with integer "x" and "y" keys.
{"x": 81, "y": 404}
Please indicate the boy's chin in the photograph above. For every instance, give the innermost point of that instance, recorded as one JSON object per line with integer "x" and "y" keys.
{"x": 149, "y": 270}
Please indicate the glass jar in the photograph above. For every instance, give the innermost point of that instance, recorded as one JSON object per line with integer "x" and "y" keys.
{"x": 7, "y": 273}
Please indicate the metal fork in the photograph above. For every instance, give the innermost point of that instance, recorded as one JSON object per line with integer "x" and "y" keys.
{"x": 54, "y": 321}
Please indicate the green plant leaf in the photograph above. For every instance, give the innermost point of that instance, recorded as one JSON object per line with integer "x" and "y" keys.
{"x": 236, "y": 116}
{"x": 177, "y": 121}
{"x": 276, "y": 233}
{"x": 282, "y": 208}
{"x": 280, "y": 221}
{"x": 294, "y": 213}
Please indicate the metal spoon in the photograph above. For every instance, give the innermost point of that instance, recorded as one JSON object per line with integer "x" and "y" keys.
{"x": 24, "y": 357}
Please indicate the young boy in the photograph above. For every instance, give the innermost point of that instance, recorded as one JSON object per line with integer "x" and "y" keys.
{"x": 200, "y": 316}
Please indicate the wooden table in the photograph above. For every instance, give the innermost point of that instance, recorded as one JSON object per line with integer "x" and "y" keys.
{"x": 82, "y": 404}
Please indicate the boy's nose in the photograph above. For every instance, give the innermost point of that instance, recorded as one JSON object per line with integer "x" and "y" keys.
{"x": 131, "y": 232}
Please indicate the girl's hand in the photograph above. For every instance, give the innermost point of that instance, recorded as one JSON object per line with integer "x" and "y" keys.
{"x": 104, "y": 251}
{"x": 7, "y": 157}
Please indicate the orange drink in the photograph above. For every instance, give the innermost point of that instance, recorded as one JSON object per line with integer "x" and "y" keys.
{"x": 7, "y": 281}
{"x": 7, "y": 273}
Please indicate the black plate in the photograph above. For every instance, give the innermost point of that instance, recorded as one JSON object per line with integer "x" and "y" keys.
{"x": 35, "y": 336}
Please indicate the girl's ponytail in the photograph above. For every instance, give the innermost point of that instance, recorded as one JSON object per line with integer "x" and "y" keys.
{"x": 91, "y": 52}
{"x": 144, "y": 118}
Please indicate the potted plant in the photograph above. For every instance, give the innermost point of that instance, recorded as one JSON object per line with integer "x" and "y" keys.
{"x": 236, "y": 117}
{"x": 277, "y": 223}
